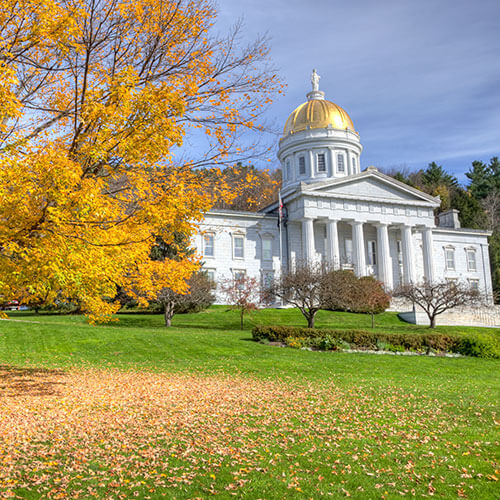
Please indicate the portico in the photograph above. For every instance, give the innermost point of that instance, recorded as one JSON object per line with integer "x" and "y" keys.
{"x": 368, "y": 256}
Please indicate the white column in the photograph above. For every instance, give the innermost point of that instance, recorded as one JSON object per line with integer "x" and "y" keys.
{"x": 428, "y": 257}
{"x": 349, "y": 164}
{"x": 358, "y": 248}
{"x": 311, "y": 164}
{"x": 308, "y": 240}
{"x": 384, "y": 265}
{"x": 408, "y": 259}
{"x": 331, "y": 156}
{"x": 332, "y": 244}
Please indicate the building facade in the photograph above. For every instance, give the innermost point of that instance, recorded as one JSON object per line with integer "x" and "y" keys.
{"x": 335, "y": 212}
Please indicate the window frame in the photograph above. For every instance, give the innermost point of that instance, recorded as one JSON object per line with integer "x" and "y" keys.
{"x": 267, "y": 239}
{"x": 205, "y": 236}
{"x": 340, "y": 161}
{"x": 267, "y": 278}
{"x": 323, "y": 163}
{"x": 302, "y": 165}
{"x": 210, "y": 270}
{"x": 372, "y": 252}
{"x": 474, "y": 283}
{"x": 241, "y": 237}
{"x": 399, "y": 251}
{"x": 238, "y": 274}
{"x": 450, "y": 251}
{"x": 468, "y": 252}
{"x": 348, "y": 253}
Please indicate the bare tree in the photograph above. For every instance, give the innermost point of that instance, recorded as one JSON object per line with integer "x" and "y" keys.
{"x": 242, "y": 293}
{"x": 303, "y": 288}
{"x": 199, "y": 297}
{"x": 437, "y": 297}
{"x": 491, "y": 205}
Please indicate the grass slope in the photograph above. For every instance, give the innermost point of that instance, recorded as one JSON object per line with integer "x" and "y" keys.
{"x": 306, "y": 424}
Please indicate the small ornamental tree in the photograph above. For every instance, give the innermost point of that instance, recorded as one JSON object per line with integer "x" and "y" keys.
{"x": 437, "y": 297}
{"x": 339, "y": 289}
{"x": 242, "y": 293}
{"x": 199, "y": 296}
{"x": 370, "y": 297}
{"x": 303, "y": 288}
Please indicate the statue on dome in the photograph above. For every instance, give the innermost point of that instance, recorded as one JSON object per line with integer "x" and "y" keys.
{"x": 315, "y": 80}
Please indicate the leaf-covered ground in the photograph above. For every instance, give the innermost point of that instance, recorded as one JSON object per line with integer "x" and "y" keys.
{"x": 114, "y": 434}
{"x": 131, "y": 409}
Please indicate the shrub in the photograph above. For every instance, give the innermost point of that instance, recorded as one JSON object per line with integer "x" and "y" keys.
{"x": 480, "y": 346}
{"x": 470, "y": 344}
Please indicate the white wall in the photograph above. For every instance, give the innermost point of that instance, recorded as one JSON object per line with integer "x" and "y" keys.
{"x": 254, "y": 227}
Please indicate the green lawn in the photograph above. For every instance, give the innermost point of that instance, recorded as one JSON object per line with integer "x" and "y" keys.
{"x": 303, "y": 424}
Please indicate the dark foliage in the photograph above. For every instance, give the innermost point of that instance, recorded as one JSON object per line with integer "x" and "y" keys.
{"x": 478, "y": 345}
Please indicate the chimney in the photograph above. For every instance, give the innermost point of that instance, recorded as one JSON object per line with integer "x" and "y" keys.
{"x": 449, "y": 218}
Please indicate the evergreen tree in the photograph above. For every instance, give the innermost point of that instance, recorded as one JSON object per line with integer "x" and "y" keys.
{"x": 484, "y": 178}
{"x": 435, "y": 176}
{"x": 471, "y": 213}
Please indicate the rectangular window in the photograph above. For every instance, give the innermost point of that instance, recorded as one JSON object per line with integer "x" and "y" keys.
{"x": 348, "y": 251}
{"x": 321, "y": 162}
{"x": 267, "y": 279}
{"x": 353, "y": 161}
{"x": 372, "y": 253}
{"x": 288, "y": 175}
{"x": 267, "y": 249}
{"x": 471, "y": 260}
{"x": 474, "y": 284}
{"x": 238, "y": 274}
{"x": 340, "y": 163}
{"x": 400, "y": 252}
{"x": 208, "y": 245}
{"x": 238, "y": 247}
{"x": 450, "y": 259}
{"x": 210, "y": 274}
{"x": 302, "y": 165}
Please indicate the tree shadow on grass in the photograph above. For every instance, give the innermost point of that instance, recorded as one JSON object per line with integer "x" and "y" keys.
{"x": 16, "y": 381}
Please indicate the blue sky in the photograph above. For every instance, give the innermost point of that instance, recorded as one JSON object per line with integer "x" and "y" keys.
{"x": 419, "y": 78}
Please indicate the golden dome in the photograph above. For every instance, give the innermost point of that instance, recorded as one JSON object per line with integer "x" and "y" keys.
{"x": 317, "y": 113}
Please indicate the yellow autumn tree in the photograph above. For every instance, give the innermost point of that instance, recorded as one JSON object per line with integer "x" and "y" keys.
{"x": 95, "y": 98}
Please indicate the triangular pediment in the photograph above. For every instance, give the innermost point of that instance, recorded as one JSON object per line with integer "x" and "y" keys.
{"x": 371, "y": 185}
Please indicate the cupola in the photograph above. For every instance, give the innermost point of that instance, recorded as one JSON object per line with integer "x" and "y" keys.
{"x": 319, "y": 141}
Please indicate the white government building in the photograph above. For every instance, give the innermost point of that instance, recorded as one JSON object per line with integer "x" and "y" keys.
{"x": 335, "y": 212}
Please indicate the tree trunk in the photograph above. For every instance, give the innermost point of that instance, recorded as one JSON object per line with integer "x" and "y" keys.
{"x": 310, "y": 320}
{"x": 373, "y": 320}
{"x": 241, "y": 318}
{"x": 168, "y": 314}
{"x": 433, "y": 321}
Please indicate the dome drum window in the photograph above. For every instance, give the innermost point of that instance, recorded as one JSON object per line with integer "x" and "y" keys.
{"x": 321, "y": 162}
{"x": 302, "y": 165}
{"x": 340, "y": 163}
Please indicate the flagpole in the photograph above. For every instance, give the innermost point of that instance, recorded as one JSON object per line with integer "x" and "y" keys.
{"x": 280, "y": 217}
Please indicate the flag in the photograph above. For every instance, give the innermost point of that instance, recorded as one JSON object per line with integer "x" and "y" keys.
{"x": 280, "y": 209}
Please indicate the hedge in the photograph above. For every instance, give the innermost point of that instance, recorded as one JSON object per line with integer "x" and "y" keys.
{"x": 469, "y": 344}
